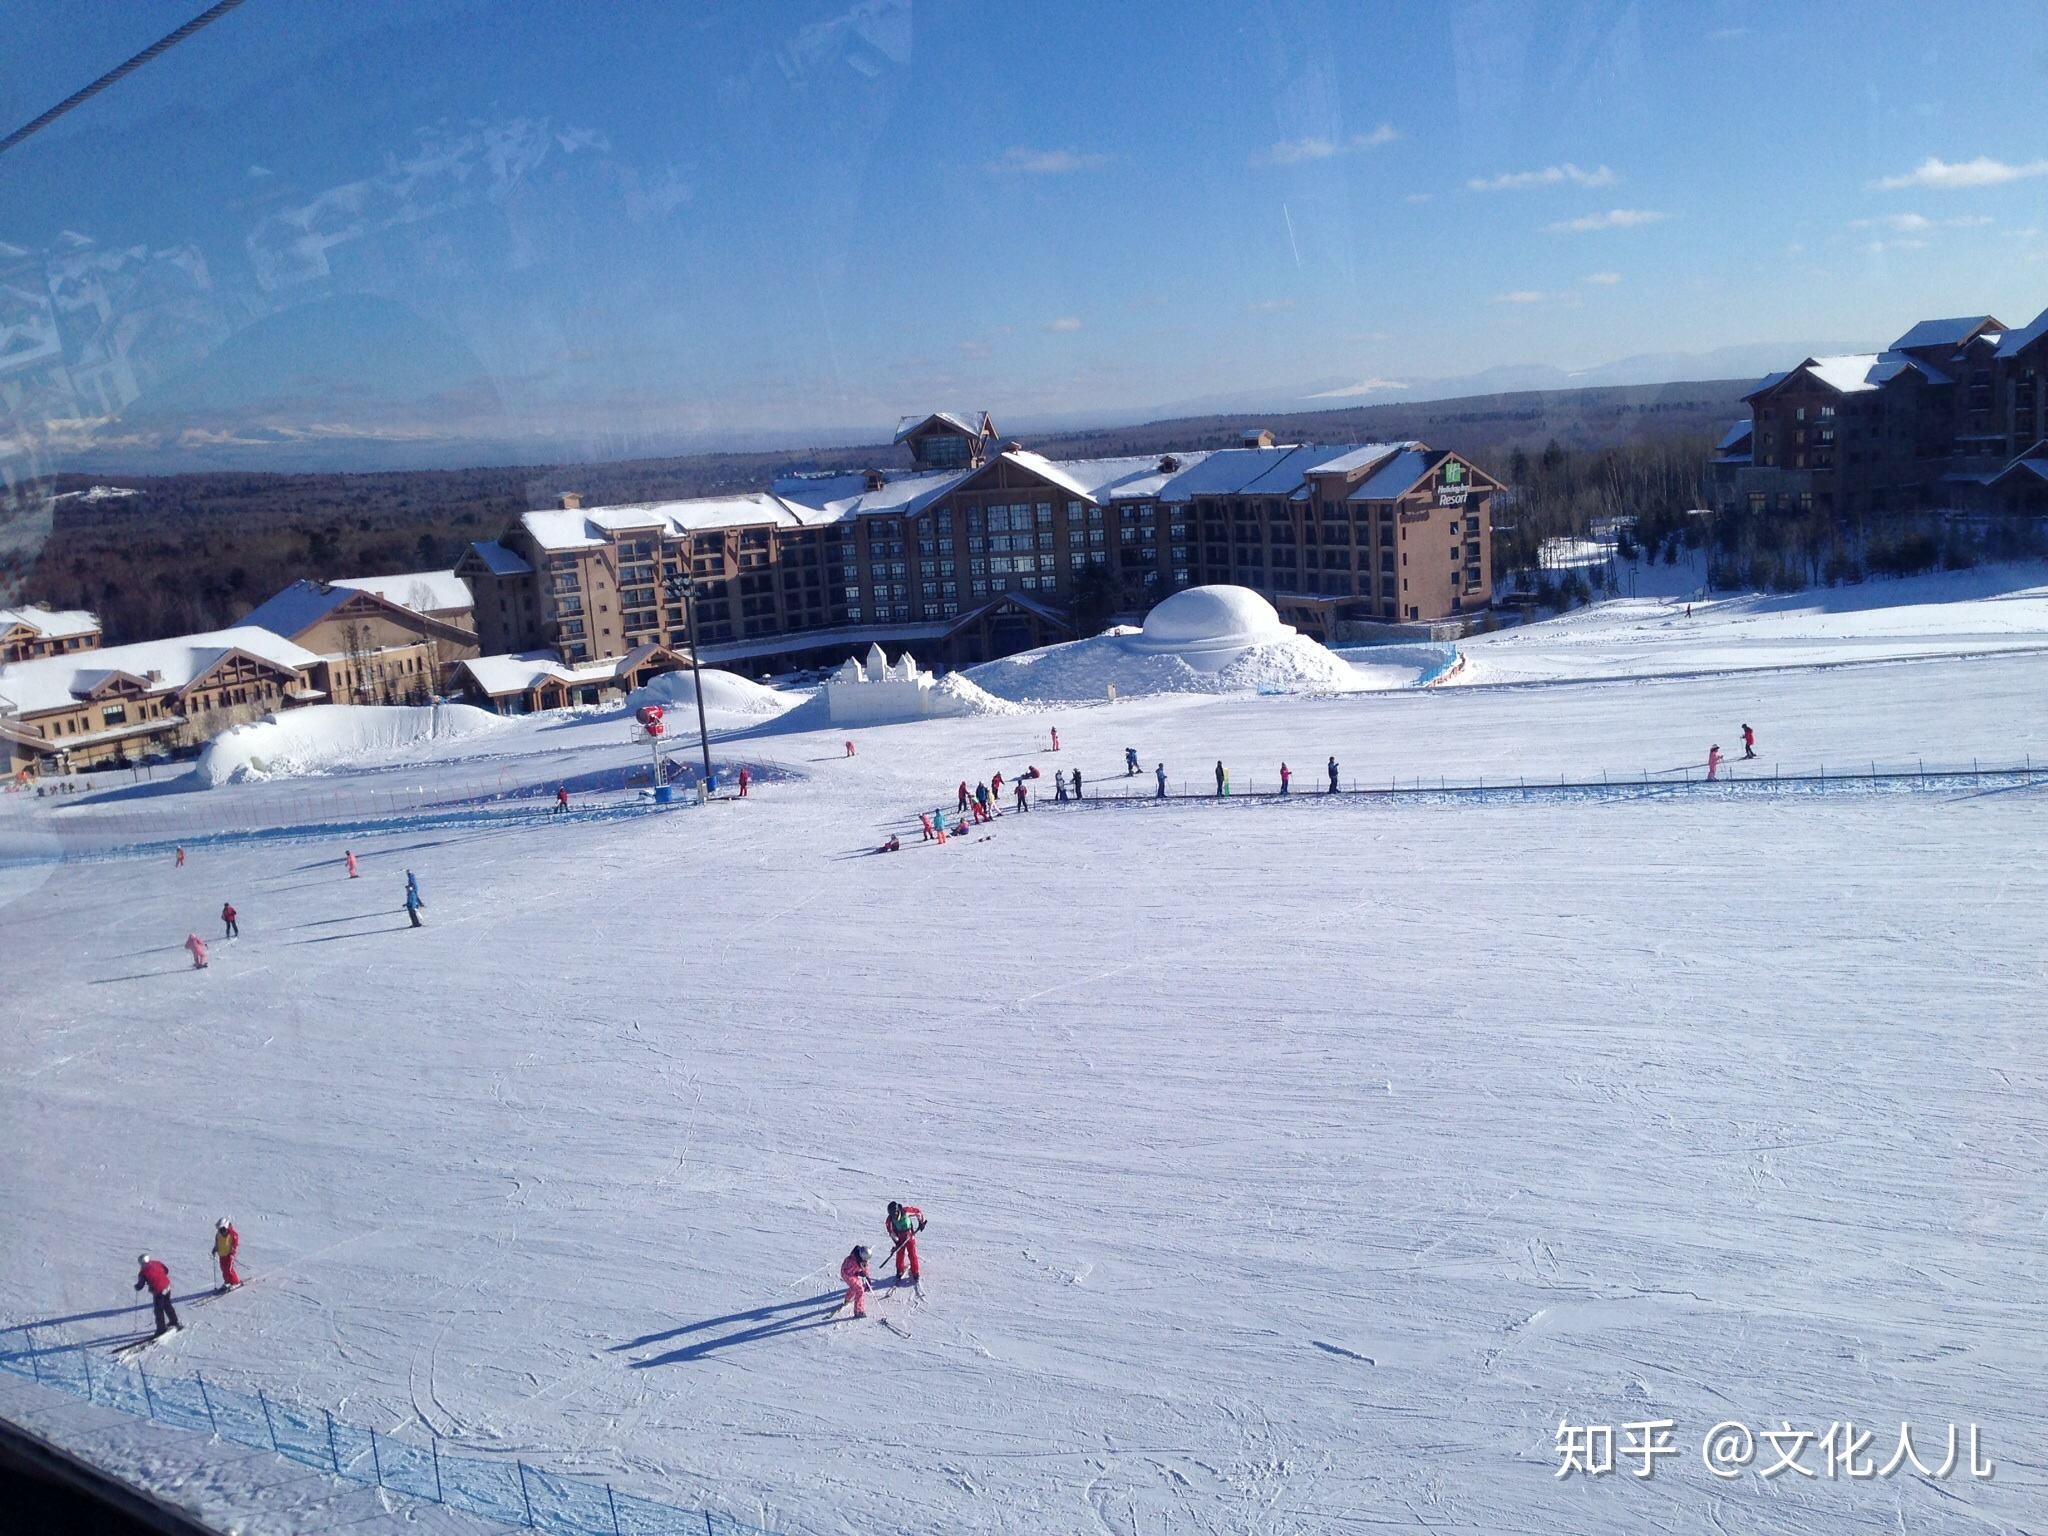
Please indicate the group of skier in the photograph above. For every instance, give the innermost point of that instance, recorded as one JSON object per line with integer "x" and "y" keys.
{"x": 1714, "y": 758}
{"x": 230, "y": 922}
{"x": 154, "y": 1276}
{"x": 903, "y": 1223}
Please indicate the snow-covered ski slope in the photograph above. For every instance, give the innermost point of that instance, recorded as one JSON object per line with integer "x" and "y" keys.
{"x": 1290, "y": 1167}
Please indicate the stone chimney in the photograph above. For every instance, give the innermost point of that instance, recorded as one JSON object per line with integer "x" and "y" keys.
{"x": 572, "y": 501}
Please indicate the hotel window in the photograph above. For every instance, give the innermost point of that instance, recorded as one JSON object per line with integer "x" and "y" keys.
{"x": 1073, "y": 509}
{"x": 1032, "y": 582}
{"x": 1045, "y": 511}
{"x": 1000, "y": 564}
{"x": 114, "y": 714}
{"x": 896, "y": 569}
{"x": 902, "y": 612}
{"x": 1077, "y": 537}
{"x": 980, "y": 589}
{"x": 1095, "y": 514}
{"x": 999, "y": 542}
{"x": 948, "y": 610}
{"x": 974, "y": 519}
{"x": 1045, "y": 538}
{"x": 998, "y": 517}
{"x": 853, "y": 613}
{"x": 1095, "y": 537}
{"x": 899, "y": 589}
{"x": 946, "y": 544}
{"x": 977, "y": 567}
{"x": 949, "y": 588}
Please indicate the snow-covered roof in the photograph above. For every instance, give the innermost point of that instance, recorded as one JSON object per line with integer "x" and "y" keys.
{"x": 1952, "y": 332}
{"x": 499, "y": 560}
{"x": 55, "y": 682}
{"x": 1355, "y": 459}
{"x": 1396, "y": 475}
{"x": 1735, "y": 436}
{"x": 558, "y": 529}
{"x": 1134, "y": 477}
{"x": 967, "y": 421}
{"x": 297, "y": 608}
{"x": 2037, "y": 466}
{"x": 2012, "y": 343}
{"x": 1855, "y": 373}
{"x": 519, "y": 671}
{"x": 421, "y": 591}
{"x": 1769, "y": 382}
{"x": 1039, "y": 465}
{"x": 51, "y": 623}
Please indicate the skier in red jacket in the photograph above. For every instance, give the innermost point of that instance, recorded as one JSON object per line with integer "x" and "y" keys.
{"x": 853, "y": 1269}
{"x": 227, "y": 1242}
{"x": 964, "y": 797}
{"x": 746, "y": 778}
{"x": 227, "y": 918}
{"x": 995, "y": 790}
{"x": 903, "y": 1224}
{"x": 151, "y": 1272}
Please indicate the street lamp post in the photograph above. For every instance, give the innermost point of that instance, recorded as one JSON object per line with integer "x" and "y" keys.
{"x": 682, "y": 587}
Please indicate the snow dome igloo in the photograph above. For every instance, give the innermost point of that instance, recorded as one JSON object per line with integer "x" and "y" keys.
{"x": 1208, "y": 627}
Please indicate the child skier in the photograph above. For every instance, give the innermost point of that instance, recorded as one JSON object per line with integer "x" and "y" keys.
{"x": 1333, "y": 775}
{"x": 561, "y": 798}
{"x": 853, "y": 1269}
{"x": 1130, "y": 762}
{"x": 924, "y": 826}
{"x": 964, "y": 798}
{"x": 1285, "y": 778}
{"x": 227, "y": 919}
{"x": 181, "y": 859}
{"x": 746, "y": 778}
{"x": 1221, "y": 778}
{"x": 1059, "y": 788}
{"x": 1713, "y": 762}
{"x": 151, "y": 1272}
{"x": 1077, "y": 783}
{"x": 413, "y": 902}
{"x": 1748, "y": 742}
{"x": 1023, "y": 792}
{"x": 1055, "y": 738}
{"x": 995, "y": 788}
{"x": 197, "y": 946}
{"x": 227, "y": 1242}
{"x": 849, "y": 749}
{"x": 904, "y": 1223}
{"x": 348, "y": 856}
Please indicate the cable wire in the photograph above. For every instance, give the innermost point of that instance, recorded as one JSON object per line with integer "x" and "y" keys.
{"x": 161, "y": 45}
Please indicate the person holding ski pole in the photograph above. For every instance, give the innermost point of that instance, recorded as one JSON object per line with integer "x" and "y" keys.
{"x": 1286, "y": 778}
{"x": 227, "y": 920}
{"x": 853, "y": 1269}
{"x": 227, "y": 1242}
{"x": 1333, "y": 775}
{"x": 904, "y": 1223}
{"x": 152, "y": 1273}
{"x": 1160, "y": 774}
{"x": 1713, "y": 762}
{"x": 1748, "y": 742}
{"x": 413, "y": 903}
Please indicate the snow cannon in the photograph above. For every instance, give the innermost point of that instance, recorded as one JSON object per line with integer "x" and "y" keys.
{"x": 649, "y": 716}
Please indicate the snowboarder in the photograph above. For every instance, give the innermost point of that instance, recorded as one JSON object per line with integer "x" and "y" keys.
{"x": 1055, "y": 738}
{"x": 1059, "y": 788}
{"x": 1285, "y": 778}
{"x": 894, "y": 845}
{"x": 1713, "y": 762}
{"x": 1748, "y": 742}
{"x": 181, "y": 856}
{"x": 1333, "y": 775}
{"x": 1222, "y": 778}
{"x": 561, "y": 798}
{"x": 1160, "y": 774}
{"x": 151, "y": 1272}
{"x": 348, "y": 856}
{"x": 853, "y": 1269}
{"x": 964, "y": 798}
{"x": 924, "y": 827}
{"x": 904, "y": 1223}
{"x": 1077, "y": 784}
{"x": 227, "y": 1242}
{"x": 197, "y": 946}
{"x": 413, "y": 903}
{"x": 1130, "y": 762}
{"x": 1023, "y": 792}
{"x": 227, "y": 920}
{"x": 746, "y": 778}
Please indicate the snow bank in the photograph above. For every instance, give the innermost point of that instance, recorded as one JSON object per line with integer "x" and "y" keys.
{"x": 1087, "y": 669}
{"x": 726, "y": 691}
{"x": 325, "y": 736}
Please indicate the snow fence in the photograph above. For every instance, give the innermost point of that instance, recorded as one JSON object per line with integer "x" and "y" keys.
{"x": 511, "y": 1492}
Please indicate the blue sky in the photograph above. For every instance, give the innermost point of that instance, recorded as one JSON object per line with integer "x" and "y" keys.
{"x": 609, "y": 229}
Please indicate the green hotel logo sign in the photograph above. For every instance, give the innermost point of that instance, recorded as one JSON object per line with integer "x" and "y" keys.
{"x": 1451, "y": 489}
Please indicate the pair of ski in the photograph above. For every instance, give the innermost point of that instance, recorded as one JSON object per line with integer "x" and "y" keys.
{"x": 137, "y": 1346}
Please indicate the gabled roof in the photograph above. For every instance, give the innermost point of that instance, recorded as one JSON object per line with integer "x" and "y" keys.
{"x": 1735, "y": 436}
{"x": 2012, "y": 343}
{"x": 1855, "y": 373}
{"x": 517, "y": 672}
{"x": 1356, "y": 459}
{"x": 2035, "y": 464}
{"x": 1395, "y": 477}
{"x": 56, "y": 682}
{"x": 304, "y": 604}
{"x": 50, "y": 623}
{"x": 970, "y": 422}
{"x": 1952, "y": 332}
{"x": 421, "y": 591}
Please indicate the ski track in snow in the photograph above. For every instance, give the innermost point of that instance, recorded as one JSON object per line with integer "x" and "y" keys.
{"x": 1288, "y": 1172}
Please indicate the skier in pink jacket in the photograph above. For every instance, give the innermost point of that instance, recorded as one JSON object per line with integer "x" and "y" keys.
{"x": 1713, "y": 762}
{"x": 853, "y": 1269}
{"x": 198, "y": 947}
{"x": 349, "y": 854}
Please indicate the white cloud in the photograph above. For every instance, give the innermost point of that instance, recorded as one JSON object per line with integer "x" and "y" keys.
{"x": 1920, "y": 224}
{"x": 1949, "y": 176}
{"x": 1302, "y": 151}
{"x": 1522, "y": 296}
{"x": 1550, "y": 176}
{"x": 1614, "y": 218}
{"x": 1419, "y": 197}
{"x": 1604, "y": 279}
{"x": 1065, "y": 325}
{"x": 1362, "y": 387}
{"x": 1271, "y": 306}
{"x": 1879, "y": 247}
{"x": 1019, "y": 161}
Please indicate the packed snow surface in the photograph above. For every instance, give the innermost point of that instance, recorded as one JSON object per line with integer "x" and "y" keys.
{"x": 324, "y": 737}
{"x": 1292, "y": 1166}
